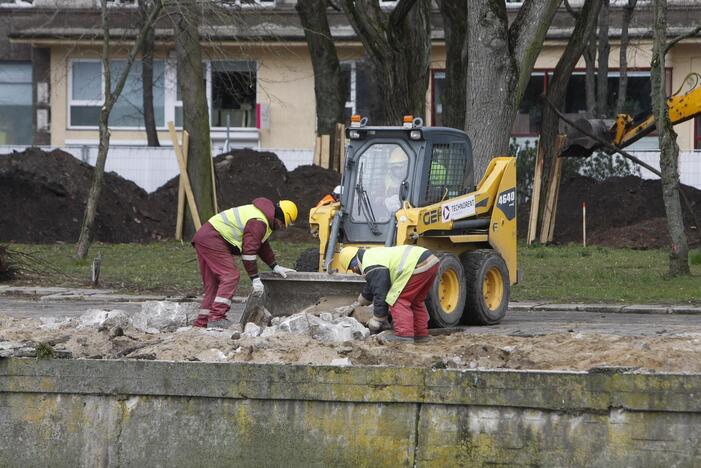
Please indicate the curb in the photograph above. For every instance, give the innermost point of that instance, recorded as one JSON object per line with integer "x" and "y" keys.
{"x": 606, "y": 308}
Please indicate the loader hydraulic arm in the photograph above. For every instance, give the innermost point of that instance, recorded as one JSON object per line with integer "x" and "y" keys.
{"x": 626, "y": 130}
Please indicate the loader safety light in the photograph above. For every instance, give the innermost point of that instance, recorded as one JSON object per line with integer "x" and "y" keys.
{"x": 415, "y": 134}
{"x": 408, "y": 121}
{"x": 355, "y": 120}
{"x": 354, "y": 134}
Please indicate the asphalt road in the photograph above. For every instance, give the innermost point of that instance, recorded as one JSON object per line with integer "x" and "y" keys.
{"x": 516, "y": 323}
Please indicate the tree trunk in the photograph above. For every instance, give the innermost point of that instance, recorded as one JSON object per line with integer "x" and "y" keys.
{"x": 590, "y": 75}
{"x": 111, "y": 95}
{"x": 584, "y": 27}
{"x": 147, "y": 78}
{"x": 602, "y": 76}
{"x": 623, "y": 57}
{"x": 453, "y": 98}
{"x": 398, "y": 45}
{"x": 195, "y": 110}
{"x": 500, "y": 61}
{"x": 669, "y": 150}
{"x": 329, "y": 84}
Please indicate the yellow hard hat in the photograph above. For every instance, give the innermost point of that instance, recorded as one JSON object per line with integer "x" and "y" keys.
{"x": 346, "y": 255}
{"x": 398, "y": 156}
{"x": 289, "y": 209}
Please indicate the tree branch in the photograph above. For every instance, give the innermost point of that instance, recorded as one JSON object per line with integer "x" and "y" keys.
{"x": 369, "y": 35}
{"x": 570, "y": 10}
{"x": 400, "y": 11}
{"x": 138, "y": 45}
{"x": 681, "y": 37}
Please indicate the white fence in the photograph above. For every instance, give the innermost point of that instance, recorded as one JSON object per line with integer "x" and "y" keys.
{"x": 150, "y": 168}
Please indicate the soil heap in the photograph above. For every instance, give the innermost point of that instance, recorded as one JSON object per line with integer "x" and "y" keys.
{"x": 243, "y": 175}
{"x": 621, "y": 212}
{"x": 44, "y": 197}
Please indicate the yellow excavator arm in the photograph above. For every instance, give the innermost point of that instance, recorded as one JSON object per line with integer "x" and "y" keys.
{"x": 626, "y": 130}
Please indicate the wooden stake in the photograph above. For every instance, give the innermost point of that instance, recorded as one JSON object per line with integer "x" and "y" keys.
{"x": 325, "y": 151}
{"x": 535, "y": 195}
{"x": 214, "y": 187}
{"x": 184, "y": 177}
{"x": 317, "y": 152}
{"x": 547, "y": 228}
{"x": 584, "y": 224}
{"x": 181, "y": 193}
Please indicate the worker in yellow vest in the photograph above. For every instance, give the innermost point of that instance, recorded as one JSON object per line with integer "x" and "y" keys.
{"x": 244, "y": 231}
{"x": 399, "y": 279}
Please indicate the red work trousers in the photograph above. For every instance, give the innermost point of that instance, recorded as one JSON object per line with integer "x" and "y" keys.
{"x": 409, "y": 314}
{"x": 220, "y": 277}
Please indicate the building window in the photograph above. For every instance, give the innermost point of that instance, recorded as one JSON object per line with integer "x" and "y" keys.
{"x": 348, "y": 72}
{"x": 15, "y": 103}
{"x": 697, "y": 133}
{"x": 233, "y": 94}
{"x": 87, "y": 97}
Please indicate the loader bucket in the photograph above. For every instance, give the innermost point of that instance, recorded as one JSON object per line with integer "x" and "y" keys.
{"x": 286, "y": 296}
{"x": 579, "y": 145}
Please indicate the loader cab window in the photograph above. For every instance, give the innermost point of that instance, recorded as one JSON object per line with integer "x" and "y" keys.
{"x": 447, "y": 172}
{"x": 376, "y": 191}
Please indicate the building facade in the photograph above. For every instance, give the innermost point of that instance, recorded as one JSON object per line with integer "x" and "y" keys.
{"x": 258, "y": 74}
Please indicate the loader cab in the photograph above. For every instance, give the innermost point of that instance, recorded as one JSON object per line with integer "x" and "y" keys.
{"x": 386, "y": 166}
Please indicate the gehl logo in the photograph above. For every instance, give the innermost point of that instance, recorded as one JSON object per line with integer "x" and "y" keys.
{"x": 430, "y": 217}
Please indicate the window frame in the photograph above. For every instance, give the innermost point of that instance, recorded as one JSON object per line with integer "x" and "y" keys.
{"x": 697, "y": 133}
{"x": 170, "y": 101}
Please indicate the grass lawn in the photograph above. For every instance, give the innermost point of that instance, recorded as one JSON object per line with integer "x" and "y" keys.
{"x": 563, "y": 273}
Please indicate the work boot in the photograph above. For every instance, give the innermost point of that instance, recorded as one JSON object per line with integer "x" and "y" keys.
{"x": 389, "y": 337}
{"x": 221, "y": 322}
{"x": 201, "y": 321}
{"x": 421, "y": 339}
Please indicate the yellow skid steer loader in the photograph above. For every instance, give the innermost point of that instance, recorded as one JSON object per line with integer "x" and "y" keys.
{"x": 414, "y": 185}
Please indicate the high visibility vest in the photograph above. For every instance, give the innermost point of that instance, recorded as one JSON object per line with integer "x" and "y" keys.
{"x": 400, "y": 261}
{"x": 230, "y": 223}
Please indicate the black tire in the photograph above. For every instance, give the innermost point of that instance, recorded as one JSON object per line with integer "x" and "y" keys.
{"x": 478, "y": 264}
{"x": 308, "y": 260}
{"x": 450, "y": 270}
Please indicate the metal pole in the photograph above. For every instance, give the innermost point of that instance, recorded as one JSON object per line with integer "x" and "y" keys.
{"x": 584, "y": 224}
{"x": 228, "y": 128}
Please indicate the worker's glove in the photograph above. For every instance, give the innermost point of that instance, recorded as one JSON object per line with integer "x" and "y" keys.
{"x": 258, "y": 287}
{"x": 362, "y": 301}
{"x": 345, "y": 311}
{"x": 378, "y": 324}
{"x": 282, "y": 271}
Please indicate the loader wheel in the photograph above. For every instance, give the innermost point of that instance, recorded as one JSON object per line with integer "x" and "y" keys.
{"x": 446, "y": 301}
{"x": 308, "y": 260}
{"x": 488, "y": 287}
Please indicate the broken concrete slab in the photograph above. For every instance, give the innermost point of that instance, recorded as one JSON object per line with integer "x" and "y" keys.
{"x": 321, "y": 328}
{"x": 164, "y": 316}
{"x": 99, "y": 318}
{"x": 251, "y": 330}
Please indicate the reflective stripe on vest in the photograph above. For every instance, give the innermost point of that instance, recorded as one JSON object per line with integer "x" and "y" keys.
{"x": 231, "y": 223}
{"x": 400, "y": 261}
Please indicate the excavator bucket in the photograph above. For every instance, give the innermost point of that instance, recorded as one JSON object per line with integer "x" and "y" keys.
{"x": 286, "y": 296}
{"x": 580, "y": 145}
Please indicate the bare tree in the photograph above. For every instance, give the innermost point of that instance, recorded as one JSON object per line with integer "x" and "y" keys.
{"x": 453, "y": 98}
{"x": 628, "y": 11}
{"x": 499, "y": 65}
{"x": 329, "y": 84}
{"x": 669, "y": 150}
{"x": 111, "y": 95}
{"x": 187, "y": 19}
{"x": 147, "y": 75}
{"x": 602, "y": 74}
{"x": 398, "y": 45}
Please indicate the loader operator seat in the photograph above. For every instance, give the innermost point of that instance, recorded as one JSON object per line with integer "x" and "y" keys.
{"x": 396, "y": 174}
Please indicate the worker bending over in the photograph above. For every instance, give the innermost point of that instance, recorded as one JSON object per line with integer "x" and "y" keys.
{"x": 398, "y": 278}
{"x": 244, "y": 231}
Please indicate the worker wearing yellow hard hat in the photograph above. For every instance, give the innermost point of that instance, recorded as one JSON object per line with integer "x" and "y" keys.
{"x": 398, "y": 280}
{"x": 242, "y": 230}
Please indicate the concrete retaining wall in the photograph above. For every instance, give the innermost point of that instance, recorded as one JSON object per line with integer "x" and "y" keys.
{"x": 130, "y": 413}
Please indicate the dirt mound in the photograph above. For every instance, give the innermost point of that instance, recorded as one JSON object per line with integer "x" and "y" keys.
{"x": 621, "y": 212}
{"x": 243, "y": 175}
{"x": 44, "y": 198}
